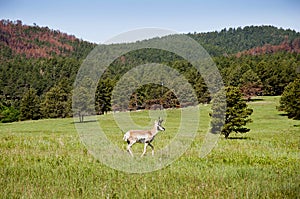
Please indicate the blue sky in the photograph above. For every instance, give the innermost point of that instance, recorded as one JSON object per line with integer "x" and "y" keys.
{"x": 98, "y": 21}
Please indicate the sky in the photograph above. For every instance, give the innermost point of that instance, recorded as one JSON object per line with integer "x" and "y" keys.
{"x": 99, "y": 21}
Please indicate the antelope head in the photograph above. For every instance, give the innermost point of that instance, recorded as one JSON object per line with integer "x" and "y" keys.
{"x": 159, "y": 125}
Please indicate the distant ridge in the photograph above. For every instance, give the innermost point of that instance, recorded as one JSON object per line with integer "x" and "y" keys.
{"x": 35, "y": 41}
{"x": 17, "y": 39}
{"x": 235, "y": 40}
{"x": 286, "y": 46}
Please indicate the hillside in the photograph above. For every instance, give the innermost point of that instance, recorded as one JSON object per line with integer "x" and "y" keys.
{"x": 40, "y": 62}
{"x": 286, "y": 46}
{"x": 36, "y": 42}
{"x": 234, "y": 40}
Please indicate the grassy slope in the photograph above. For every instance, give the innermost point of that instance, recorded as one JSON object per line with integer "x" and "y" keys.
{"x": 45, "y": 159}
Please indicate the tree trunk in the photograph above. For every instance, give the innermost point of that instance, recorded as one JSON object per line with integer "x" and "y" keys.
{"x": 80, "y": 117}
{"x": 226, "y": 135}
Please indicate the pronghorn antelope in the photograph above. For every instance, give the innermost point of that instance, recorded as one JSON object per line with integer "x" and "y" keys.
{"x": 143, "y": 136}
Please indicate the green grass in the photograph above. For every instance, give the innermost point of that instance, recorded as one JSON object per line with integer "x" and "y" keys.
{"x": 46, "y": 159}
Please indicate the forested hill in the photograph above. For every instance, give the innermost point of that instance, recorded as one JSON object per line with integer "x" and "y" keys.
{"x": 17, "y": 39}
{"x": 235, "y": 40}
{"x": 38, "y": 67}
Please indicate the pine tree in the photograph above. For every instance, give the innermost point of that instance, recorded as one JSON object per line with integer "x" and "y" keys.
{"x": 250, "y": 84}
{"x": 236, "y": 113}
{"x": 82, "y": 103}
{"x": 103, "y": 96}
{"x": 8, "y": 113}
{"x": 57, "y": 102}
{"x": 290, "y": 100}
{"x": 83, "y": 100}
{"x": 30, "y": 106}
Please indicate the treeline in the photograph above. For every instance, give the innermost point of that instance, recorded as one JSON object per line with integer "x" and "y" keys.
{"x": 27, "y": 84}
{"x": 39, "y": 67}
{"x": 266, "y": 74}
{"x": 42, "y": 88}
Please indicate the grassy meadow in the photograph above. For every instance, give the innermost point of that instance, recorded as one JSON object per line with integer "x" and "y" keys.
{"x": 46, "y": 159}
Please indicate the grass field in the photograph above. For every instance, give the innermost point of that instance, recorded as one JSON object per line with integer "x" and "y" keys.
{"x": 46, "y": 159}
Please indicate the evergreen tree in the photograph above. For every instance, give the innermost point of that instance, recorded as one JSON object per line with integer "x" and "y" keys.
{"x": 290, "y": 100}
{"x": 103, "y": 96}
{"x": 236, "y": 113}
{"x": 250, "y": 84}
{"x": 83, "y": 101}
{"x": 30, "y": 106}
{"x": 8, "y": 114}
{"x": 57, "y": 102}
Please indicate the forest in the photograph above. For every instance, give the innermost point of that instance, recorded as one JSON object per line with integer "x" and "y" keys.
{"x": 39, "y": 67}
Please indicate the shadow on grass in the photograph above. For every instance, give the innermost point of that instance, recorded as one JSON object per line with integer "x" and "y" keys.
{"x": 286, "y": 115}
{"x": 239, "y": 138}
{"x": 255, "y": 100}
{"x": 88, "y": 121}
{"x": 283, "y": 114}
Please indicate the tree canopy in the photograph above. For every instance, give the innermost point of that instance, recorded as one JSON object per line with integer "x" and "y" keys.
{"x": 290, "y": 99}
{"x": 30, "y": 106}
{"x": 236, "y": 112}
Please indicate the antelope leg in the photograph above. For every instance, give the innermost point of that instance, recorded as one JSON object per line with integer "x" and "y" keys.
{"x": 145, "y": 147}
